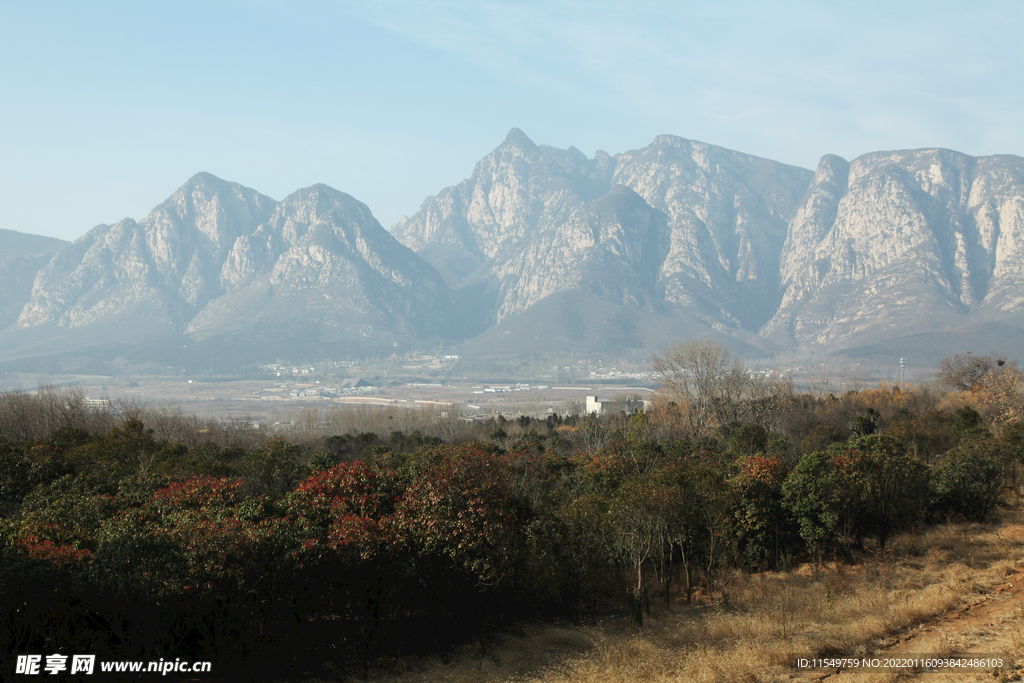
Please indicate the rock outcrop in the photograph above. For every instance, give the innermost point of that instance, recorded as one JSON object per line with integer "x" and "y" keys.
{"x": 902, "y": 243}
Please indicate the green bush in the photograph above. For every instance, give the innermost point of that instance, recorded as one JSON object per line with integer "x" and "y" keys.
{"x": 813, "y": 494}
{"x": 967, "y": 481}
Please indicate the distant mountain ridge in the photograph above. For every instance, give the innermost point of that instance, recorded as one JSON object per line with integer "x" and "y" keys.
{"x": 218, "y": 261}
{"x": 921, "y": 245}
{"x": 544, "y": 250}
{"x": 152, "y": 275}
{"x": 680, "y": 229}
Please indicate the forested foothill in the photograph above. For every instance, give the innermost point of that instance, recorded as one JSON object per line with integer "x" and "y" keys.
{"x": 135, "y": 532}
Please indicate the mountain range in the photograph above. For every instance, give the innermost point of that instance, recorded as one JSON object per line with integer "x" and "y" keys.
{"x": 546, "y": 250}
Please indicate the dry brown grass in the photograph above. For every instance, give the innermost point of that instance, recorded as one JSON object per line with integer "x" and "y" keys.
{"x": 767, "y": 620}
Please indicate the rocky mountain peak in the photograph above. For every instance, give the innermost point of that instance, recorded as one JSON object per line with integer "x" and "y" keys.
{"x": 214, "y": 203}
{"x": 311, "y": 205}
{"x": 512, "y": 191}
{"x": 166, "y": 266}
{"x": 519, "y": 138}
{"x": 323, "y": 263}
{"x": 833, "y": 171}
{"x": 322, "y": 209}
{"x": 726, "y": 213}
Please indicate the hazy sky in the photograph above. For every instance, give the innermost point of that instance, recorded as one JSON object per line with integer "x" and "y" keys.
{"x": 106, "y": 108}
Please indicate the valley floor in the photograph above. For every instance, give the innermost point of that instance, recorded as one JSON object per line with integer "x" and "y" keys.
{"x": 280, "y": 401}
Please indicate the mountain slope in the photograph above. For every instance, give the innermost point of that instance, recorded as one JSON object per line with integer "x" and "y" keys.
{"x": 242, "y": 274}
{"x": 728, "y": 213}
{"x": 21, "y": 257}
{"x": 149, "y": 277}
{"x": 322, "y": 266}
{"x": 678, "y": 229}
{"x": 902, "y": 243}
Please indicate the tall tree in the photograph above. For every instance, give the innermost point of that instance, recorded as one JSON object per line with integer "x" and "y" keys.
{"x": 703, "y": 376}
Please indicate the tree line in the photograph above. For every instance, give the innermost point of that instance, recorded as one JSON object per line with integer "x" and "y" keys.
{"x": 291, "y": 554}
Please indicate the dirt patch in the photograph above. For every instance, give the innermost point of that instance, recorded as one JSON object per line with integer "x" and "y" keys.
{"x": 991, "y": 624}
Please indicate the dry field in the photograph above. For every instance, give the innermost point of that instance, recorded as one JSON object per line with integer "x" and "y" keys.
{"x": 954, "y": 588}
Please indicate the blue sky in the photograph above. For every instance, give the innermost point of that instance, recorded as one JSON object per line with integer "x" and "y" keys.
{"x": 107, "y": 107}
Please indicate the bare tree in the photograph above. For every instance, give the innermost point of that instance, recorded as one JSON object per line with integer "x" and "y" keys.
{"x": 26, "y": 416}
{"x": 710, "y": 387}
{"x": 768, "y": 396}
{"x": 572, "y": 408}
{"x": 820, "y": 381}
{"x": 1001, "y": 395}
{"x": 703, "y": 376}
{"x": 449, "y": 424}
{"x": 967, "y": 372}
{"x": 590, "y": 435}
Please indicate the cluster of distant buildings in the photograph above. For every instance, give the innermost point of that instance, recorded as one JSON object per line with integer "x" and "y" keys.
{"x": 508, "y": 388}
{"x": 347, "y": 387}
{"x": 285, "y": 370}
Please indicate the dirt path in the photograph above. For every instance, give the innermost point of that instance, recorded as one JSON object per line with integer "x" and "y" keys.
{"x": 991, "y": 624}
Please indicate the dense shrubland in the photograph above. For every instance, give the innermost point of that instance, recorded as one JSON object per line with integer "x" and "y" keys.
{"x": 140, "y": 533}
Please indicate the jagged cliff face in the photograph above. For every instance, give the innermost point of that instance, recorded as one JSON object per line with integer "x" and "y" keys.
{"x": 902, "y": 243}
{"x": 728, "y": 214}
{"x": 155, "y": 273}
{"x": 517, "y": 192}
{"x": 220, "y": 259}
{"x": 322, "y": 262}
{"x": 676, "y": 225}
{"x": 191, "y": 234}
{"x": 610, "y": 247}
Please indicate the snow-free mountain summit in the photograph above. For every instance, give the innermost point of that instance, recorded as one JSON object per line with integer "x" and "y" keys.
{"x": 545, "y": 250}
{"x": 221, "y": 264}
